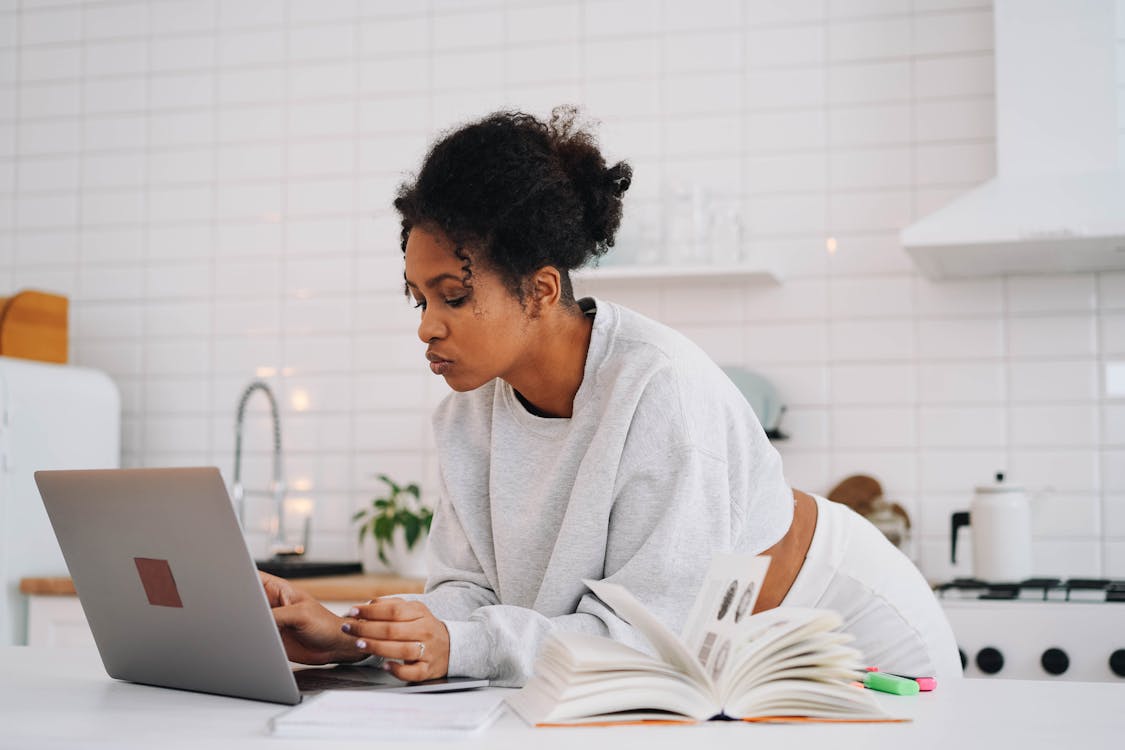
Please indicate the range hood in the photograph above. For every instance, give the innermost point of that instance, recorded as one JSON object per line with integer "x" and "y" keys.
{"x": 1057, "y": 203}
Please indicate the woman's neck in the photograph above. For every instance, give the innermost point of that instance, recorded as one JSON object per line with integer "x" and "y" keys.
{"x": 552, "y": 375}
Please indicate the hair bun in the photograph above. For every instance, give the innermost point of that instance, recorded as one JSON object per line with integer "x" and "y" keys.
{"x": 599, "y": 188}
{"x": 519, "y": 194}
{"x": 620, "y": 175}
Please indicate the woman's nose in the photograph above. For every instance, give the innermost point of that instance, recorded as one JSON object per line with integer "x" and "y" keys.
{"x": 431, "y": 327}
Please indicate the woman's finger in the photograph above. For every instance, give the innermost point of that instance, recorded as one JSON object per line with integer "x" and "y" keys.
{"x": 289, "y": 616}
{"x": 273, "y": 591}
{"x": 409, "y": 672}
{"x": 379, "y": 630}
{"x": 280, "y": 592}
{"x": 390, "y": 608}
{"x": 407, "y": 651}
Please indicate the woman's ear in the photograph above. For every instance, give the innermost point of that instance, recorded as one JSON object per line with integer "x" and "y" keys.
{"x": 546, "y": 288}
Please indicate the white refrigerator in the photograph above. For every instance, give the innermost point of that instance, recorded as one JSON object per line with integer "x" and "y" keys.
{"x": 51, "y": 417}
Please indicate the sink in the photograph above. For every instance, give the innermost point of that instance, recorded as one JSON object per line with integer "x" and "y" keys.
{"x": 291, "y": 568}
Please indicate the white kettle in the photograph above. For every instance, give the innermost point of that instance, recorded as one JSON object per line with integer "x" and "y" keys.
{"x": 1000, "y": 515}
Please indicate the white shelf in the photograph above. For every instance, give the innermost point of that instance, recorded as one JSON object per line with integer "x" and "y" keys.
{"x": 717, "y": 273}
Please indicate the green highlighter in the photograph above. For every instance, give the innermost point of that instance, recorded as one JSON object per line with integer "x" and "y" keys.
{"x": 889, "y": 683}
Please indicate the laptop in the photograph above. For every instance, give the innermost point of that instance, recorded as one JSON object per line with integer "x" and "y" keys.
{"x": 170, "y": 589}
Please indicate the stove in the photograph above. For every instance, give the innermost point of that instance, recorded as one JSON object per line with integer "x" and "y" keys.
{"x": 1039, "y": 629}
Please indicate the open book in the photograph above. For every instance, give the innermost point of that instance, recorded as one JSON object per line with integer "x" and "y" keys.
{"x": 784, "y": 664}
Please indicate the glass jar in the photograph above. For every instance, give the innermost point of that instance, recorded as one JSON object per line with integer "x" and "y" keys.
{"x": 891, "y": 519}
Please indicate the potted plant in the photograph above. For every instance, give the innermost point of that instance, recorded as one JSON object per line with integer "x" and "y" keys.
{"x": 398, "y": 523}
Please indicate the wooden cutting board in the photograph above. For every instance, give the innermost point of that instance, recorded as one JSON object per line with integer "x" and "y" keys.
{"x": 33, "y": 325}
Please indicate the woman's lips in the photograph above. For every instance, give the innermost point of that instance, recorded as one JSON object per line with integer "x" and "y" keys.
{"x": 438, "y": 365}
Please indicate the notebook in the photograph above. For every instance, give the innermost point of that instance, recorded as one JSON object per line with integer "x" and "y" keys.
{"x": 345, "y": 714}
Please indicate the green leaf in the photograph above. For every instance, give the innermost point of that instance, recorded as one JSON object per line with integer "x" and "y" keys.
{"x": 384, "y": 528}
{"x": 363, "y": 532}
{"x": 380, "y": 504}
{"x": 413, "y": 528}
{"x": 358, "y": 515}
{"x": 413, "y": 490}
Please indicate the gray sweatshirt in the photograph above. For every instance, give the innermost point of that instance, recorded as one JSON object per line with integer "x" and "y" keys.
{"x": 662, "y": 465}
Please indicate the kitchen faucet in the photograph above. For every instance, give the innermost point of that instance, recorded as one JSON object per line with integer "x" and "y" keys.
{"x": 277, "y": 485}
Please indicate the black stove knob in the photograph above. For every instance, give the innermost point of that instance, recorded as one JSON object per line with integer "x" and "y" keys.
{"x": 1117, "y": 662}
{"x": 990, "y": 660}
{"x": 964, "y": 659}
{"x": 1055, "y": 661}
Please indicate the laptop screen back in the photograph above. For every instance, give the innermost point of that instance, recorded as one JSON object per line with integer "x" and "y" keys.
{"x": 166, "y": 580}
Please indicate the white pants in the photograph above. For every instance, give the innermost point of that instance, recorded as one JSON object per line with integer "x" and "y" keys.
{"x": 886, "y": 604}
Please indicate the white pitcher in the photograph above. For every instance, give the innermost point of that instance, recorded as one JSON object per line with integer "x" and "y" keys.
{"x": 1000, "y": 515}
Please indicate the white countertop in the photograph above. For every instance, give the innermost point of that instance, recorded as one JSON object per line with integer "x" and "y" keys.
{"x": 63, "y": 698}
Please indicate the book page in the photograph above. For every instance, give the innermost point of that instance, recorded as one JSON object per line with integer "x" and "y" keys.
{"x": 629, "y": 609}
{"x": 586, "y": 652}
{"x": 724, "y": 602}
{"x": 786, "y": 636}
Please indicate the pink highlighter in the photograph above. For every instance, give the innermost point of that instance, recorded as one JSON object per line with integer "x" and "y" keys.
{"x": 925, "y": 684}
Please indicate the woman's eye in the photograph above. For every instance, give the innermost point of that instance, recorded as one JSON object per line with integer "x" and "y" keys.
{"x": 420, "y": 304}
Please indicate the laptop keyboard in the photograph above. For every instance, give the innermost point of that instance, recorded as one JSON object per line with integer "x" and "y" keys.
{"x": 310, "y": 680}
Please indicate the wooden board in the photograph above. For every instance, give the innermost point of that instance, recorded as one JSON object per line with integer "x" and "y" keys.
{"x": 33, "y": 325}
{"x": 357, "y": 588}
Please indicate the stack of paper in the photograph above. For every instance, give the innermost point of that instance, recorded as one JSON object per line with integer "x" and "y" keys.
{"x": 385, "y": 715}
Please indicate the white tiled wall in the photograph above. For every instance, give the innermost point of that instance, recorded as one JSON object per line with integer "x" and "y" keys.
{"x": 210, "y": 180}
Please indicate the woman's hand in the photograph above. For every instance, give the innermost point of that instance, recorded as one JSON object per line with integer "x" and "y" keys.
{"x": 310, "y": 633}
{"x": 280, "y": 592}
{"x": 401, "y": 630}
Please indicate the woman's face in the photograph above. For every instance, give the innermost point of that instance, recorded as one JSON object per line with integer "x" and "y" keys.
{"x": 473, "y": 333}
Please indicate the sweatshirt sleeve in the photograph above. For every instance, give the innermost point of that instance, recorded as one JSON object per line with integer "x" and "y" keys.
{"x": 668, "y": 518}
{"x": 457, "y": 584}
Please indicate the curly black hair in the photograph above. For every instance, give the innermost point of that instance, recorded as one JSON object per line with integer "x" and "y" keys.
{"x": 521, "y": 193}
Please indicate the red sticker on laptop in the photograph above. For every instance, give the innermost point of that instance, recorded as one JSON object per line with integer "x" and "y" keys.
{"x": 160, "y": 586}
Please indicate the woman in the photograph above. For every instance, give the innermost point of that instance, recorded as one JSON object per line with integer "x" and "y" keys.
{"x": 583, "y": 440}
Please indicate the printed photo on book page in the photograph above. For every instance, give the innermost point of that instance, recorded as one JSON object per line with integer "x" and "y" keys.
{"x": 725, "y": 600}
